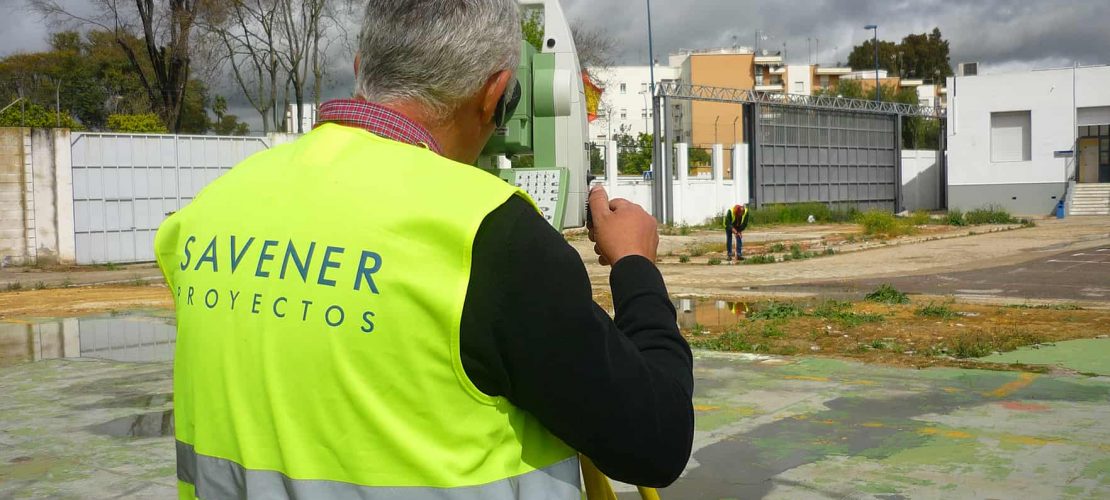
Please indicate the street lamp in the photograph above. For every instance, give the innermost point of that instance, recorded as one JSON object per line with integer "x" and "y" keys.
{"x": 651, "y": 50}
{"x": 875, "y": 44}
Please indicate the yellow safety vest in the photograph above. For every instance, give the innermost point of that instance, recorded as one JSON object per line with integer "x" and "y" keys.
{"x": 319, "y": 289}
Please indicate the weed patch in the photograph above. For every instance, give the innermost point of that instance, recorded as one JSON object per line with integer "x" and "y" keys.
{"x": 880, "y": 223}
{"x": 938, "y": 311}
{"x": 887, "y": 294}
{"x": 989, "y": 215}
{"x": 799, "y": 213}
{"x": 777, "y": 310}
{"x": 760, "y": 259}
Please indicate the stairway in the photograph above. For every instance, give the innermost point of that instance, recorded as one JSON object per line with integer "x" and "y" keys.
{"x": 1090, "y": 199}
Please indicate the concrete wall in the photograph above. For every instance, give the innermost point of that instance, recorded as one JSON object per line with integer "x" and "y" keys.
{"x": 14, "y": 195}
{"x": 695, "y": 199}
{"x": 36, "y": 195}
{"x": 36, "y": 202}
{"x": 1025, "y": 187}
{"x": 921, "y": 181}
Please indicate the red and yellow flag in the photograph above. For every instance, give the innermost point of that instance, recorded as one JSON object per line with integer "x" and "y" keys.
{"x": 593, "y": 96}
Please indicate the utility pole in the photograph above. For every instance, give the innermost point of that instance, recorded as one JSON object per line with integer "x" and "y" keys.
{"x": 58, "y": 103}
{"x": 875, "y": 45}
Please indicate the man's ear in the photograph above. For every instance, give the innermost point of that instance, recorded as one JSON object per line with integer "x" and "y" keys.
{"x": 491, "y": 94}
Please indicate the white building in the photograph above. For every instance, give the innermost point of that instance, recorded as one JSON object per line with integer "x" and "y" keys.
{"x": 1010, "y": 137}
{"x": 625, "y": 106}
{"x": 308, "y": 119}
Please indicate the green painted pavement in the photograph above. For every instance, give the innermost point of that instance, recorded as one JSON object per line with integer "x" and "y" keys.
{"x": 1085, "y": 356}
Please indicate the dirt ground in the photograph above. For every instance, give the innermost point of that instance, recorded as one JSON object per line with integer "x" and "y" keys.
{"x": 928, "y": 331}
{"x": 892, "y": 334}
{"x": 79, "y": 301}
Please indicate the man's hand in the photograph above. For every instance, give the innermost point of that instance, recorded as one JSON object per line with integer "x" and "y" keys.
{"x": 621, "y": 228}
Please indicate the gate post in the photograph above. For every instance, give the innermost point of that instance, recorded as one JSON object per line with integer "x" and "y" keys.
{"x": 898, "y": 206}
{"x": 656, "y": 162}
{"x": 668, "y": 163}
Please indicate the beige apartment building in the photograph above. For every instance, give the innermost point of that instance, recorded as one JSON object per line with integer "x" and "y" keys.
{"x": 703, "y": 124}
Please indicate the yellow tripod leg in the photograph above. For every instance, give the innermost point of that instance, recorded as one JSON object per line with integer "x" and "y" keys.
{"x": 598, "y": 487}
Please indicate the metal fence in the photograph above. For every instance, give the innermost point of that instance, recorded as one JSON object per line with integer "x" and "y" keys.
{"x": 124, "y": 185}
{"x": 822, "y": 155}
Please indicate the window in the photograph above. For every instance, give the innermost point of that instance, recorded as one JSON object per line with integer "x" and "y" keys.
{"x": 624, "y": 88}
{"x": 643, "y": 87}
{"x": 825, "y": 81}
{"x": 799, "y": 87}
{"x": 624, "y": 113}
{"x": 643, "y": 114}
{"x": 1011, "y": 136}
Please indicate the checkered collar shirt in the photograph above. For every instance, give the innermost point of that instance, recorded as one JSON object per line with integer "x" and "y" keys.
{"x": 378, "y": 120}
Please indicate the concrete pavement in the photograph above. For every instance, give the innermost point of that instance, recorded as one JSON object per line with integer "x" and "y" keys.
{"x": 766, "y": 428}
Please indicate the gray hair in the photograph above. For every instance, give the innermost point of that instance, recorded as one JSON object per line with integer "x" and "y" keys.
{"x": 436, "y": 52}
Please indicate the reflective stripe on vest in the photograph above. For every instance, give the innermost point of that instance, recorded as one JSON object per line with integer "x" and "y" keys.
{"x": 216, "y": 478}
{"x": 319, "y": 288}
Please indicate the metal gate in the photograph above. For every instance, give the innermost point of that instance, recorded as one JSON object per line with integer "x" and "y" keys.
{"x": 804, "y": 148}
{"x": 124, "y": 186}
{"x": 821, "y": 155}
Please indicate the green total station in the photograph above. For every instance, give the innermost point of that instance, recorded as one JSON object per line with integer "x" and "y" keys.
{"x": 542, "y": 147}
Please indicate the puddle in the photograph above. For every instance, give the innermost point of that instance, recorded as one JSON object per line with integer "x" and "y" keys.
{"x": 146, "y": 425}
{"x": 133, "y": 337}
{"x": 707, "y": 313}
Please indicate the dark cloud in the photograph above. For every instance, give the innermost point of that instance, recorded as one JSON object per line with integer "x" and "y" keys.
{"x": 1004, "y": 35}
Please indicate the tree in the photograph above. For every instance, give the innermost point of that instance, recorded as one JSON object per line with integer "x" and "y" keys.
{"x": 634, "y": 154}
{"x": 165, "y": 28}
{"x": 698, "y": 157}
{"x": 148, "y": 123}
{"x": 226, "y": 124}
{"x": 925, "y": 56}
{"x": 248, "y": 36}
{"x": 29, "y": 114}
{"x": 595, "y": 48}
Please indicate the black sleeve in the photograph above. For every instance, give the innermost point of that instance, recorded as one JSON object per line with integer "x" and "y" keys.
{"x": 620, "y": 392}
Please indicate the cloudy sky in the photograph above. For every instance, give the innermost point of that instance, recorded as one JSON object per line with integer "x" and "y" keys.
{"x": 1005, "y": 35}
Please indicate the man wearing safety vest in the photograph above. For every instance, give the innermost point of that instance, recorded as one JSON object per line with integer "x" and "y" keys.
{"x": 342, "y": 335}
{"x": 736, "y": 221}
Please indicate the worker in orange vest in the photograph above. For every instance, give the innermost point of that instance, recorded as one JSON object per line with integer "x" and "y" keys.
{"x": 736, "y": 221}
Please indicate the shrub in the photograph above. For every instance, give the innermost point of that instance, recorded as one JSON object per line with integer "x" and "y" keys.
{"x": 148, "y": 123}
{"x": 34, "y": 115}
{"x": 887, "y": 294}
{"x": 989, "y": 215}
{"x": 697, "y": 250}
{"x": 797, "y": 253}
{"x": 880, "y": 223}
{"x": 714, "y": 261}
{"x": 778, "y": 248}
{"x": 684, "y": 259}
{"x": 956, "y": 218}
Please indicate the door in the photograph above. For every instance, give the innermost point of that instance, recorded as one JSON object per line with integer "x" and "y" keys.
{"x": 1088, "y": 160}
